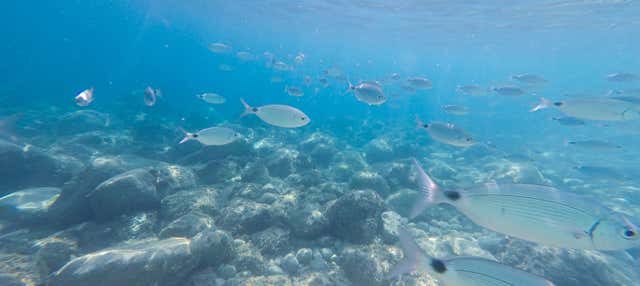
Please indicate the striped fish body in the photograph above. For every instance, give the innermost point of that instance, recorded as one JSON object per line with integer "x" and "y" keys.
{"x": 534, "y": 213}
{"x": 475, "y": 271}
{"x": 539, "y": 214}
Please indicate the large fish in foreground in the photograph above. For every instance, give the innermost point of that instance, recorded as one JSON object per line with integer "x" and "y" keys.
{"x": 278, "y": 115}
{"x": 461, "y": 271}
{"x": 605, "y": 109}
{"x": 540, "y": 214}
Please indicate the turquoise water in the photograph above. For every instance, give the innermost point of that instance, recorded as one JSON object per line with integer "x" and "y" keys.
{"x": 319, "y": 204}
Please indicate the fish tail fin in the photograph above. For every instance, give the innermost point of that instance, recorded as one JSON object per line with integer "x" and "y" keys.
{"x": 187, "y": 136}
{"x": 544, "y": 103}
{"x": 413, "y": 255}
{"x": 419, "y": 123}
{"x": 430, "y": 192}
{"x": 247, "y": 108}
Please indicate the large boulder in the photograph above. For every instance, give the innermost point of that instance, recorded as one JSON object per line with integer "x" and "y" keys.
{"x": 307, "y": 221}
{"x": 159, "y": 262}
{"x": 355, "y": 217}
{"x": 363, "y": 266}
{"x": 163, "y": 262}
{"x": 370, "y": 180}
{"x": 129, "y": 192}
{"x": 187, "y": 225}
{"x": 73, "y": 205}
{"x": 246, "y": 216}
{"x": 202, "y": 199}
{"x": 272, "y": 241}
{"x": 379, "y": 150}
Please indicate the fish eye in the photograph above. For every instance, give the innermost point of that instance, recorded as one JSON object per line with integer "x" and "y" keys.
{"x": 255, "y": 109}
{"x": 628, "y": 233}
{"x": 303, "y": 118}
{"x": 469, "y": 139}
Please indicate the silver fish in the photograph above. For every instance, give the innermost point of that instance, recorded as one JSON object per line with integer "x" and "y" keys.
{"x": 594, "y": 144}
{"x": 85, "y": 97}
{"x": 219, "y": 48}
{"x": 419, "y": 82}
{"x": 212, "y": 98}
{"x": 508, "y": 90}
{"x": 623, "y": 77}
{"x": 299, "y": 59}
{"x": 293, "y": 91}
{"x": 368, "y": 93}
{"x": 455, "y": 109}
{"x": 151, "y": 96}
{"x": 29, "y": 200}
{"x": 539, "y": 214}
{"x": 213, "y": 136}
{"x": 225, "y": 67}
{"x": 460, "y": 271}
{"x": 605, "y": 109}
{"x": 471, "y": 89}
{"x": 278, "y": 115}
{"x": 529, "y": 78}
{"x": 334, "y": 72}
{"x": 281, "y": 66}
{"x": 245, "y": 56}
{"x": 447, "y": 133}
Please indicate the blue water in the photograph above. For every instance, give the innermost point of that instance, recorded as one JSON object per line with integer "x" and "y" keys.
{"x": 53, "y": 50}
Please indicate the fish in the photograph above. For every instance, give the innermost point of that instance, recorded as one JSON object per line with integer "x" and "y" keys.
{"x": 85, "y": 97}
{"x": 569, "y": 121}
{"x": 244, "y": 56}
{"x": 372, "y": 82}
{"x": 508, "y": 90}
{"x": 276, "y": 79}
{"x": 151, "y": 96}
{"x": 419, "y": 82}
{"x": 212, "y": 136}
{"x": 299, "y": 59}
{"x": 293, "y": 91}
{"x": 460, "y": 270}
{"x": 604, "y": 109}
{"x": 623, "y": 77}
{"x": 307, "y": 80}
{"x": 281, "y": 66}
{"x": 408, "y": 88}
{"x": 212, "y": 98}
{"x": 470, "y": 89}
{"x": 455, "y": 109}
{"x": 595, "y": 145}
{"x": 629, "y": 91}
{"x": 447, "y": 133}
{"x": 28, "y": 200}
{"x": 278, "y": 115}
{"x": 529, "y": 78}
{"x": 368, "y": 93}
{"x": 225, "y": 67}
{"x": 334, "y": 72}
{"x": 535, "y": 213}
{"x": 394, "y": 76}
{"x": 324, "y": 82}
{"x": 219, "y": 48}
